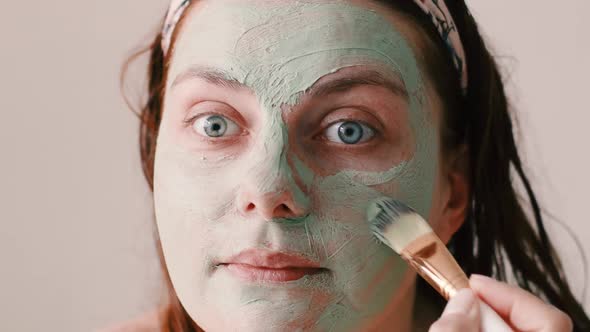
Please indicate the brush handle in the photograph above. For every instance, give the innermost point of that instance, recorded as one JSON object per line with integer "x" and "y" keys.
{"x": 490, "y": 320}
{"x": 433, "y": 262}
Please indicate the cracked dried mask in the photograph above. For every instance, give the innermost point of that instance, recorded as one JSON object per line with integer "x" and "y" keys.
{"x": 282, "y": 121}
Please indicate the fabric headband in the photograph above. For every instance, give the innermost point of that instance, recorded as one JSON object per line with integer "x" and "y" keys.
{"x": 435, "y": 9}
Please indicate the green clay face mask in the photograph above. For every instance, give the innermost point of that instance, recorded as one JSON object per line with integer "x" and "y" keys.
{"x": 274, "y": 52}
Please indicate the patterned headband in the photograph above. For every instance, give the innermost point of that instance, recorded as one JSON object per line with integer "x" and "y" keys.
{"x": 435, "y": 9}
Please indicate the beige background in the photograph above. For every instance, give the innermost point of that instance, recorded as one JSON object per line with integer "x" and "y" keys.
{"x": 75, "y": 238}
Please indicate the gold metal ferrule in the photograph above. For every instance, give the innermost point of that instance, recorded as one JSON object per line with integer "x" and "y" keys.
{"x": 433, "y": 261}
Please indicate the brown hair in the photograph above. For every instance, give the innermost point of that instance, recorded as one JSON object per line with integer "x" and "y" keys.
{"x": 497, "y": 234}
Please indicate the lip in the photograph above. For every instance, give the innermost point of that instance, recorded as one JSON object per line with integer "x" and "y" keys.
{"x": 255, "y": 265}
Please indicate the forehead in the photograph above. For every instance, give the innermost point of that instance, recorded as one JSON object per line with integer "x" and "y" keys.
{"x": 283, "y": 47}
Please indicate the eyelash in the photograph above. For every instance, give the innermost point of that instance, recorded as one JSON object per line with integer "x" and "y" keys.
{"x": 349, "y": 119}
{"x": 191, "y": 120}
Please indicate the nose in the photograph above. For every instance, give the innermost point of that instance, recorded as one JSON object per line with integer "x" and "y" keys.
{"x": 273, "y": 205}
{"x": 272, "y": 188}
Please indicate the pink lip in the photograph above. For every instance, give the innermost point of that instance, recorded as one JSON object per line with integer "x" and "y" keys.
{"x": 268, "y": 266}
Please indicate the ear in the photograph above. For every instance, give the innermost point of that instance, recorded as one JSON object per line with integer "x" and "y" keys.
{"x": 455, "y": 194}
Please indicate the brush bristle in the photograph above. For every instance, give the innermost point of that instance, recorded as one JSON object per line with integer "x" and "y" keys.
{"x": 395, "y": 223}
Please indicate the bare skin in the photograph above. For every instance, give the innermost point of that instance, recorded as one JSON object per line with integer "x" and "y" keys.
{"x": 521, "y": 309}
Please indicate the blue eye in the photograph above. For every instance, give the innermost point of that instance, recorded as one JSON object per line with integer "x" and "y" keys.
{"x": 349, "y": 132}
{"x": 215, "y": 126}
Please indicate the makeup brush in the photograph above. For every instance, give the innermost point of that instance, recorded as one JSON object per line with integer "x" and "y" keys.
{"x": 402, "y": 229}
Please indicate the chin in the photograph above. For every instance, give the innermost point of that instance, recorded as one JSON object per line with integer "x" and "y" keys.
{"x": 270, "y": 310}
{"x": 261, "y": 317}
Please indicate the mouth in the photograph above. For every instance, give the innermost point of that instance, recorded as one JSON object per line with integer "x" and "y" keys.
{"x": 256, "y": 265}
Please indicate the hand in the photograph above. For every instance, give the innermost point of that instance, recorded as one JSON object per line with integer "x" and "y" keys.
{"x": 519, "y": 308}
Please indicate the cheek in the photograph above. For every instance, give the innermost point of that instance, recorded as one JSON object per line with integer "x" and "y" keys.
{"x": 188, "y": 199}
{"x": 338, "y": 207}
{"x": 368, "y": 274}
{"x": 439, "y": 197}
{"x": 188, "y": 191}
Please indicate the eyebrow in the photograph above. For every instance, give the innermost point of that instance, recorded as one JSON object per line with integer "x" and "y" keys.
{"x": 318, "y": 89}
{"x": 211, "y": 76}
{"x": 360, "y": 78}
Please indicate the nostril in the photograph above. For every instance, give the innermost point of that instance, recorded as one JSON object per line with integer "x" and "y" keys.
{"x": 250, "y": 207}
{"x": 284, "y": 211}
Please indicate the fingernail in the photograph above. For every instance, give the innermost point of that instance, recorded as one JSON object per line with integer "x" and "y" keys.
{"x": 462, "y": 302}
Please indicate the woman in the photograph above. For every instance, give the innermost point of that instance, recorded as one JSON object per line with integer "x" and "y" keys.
{"x": 271, "y": 125}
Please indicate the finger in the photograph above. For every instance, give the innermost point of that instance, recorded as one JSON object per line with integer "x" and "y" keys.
{"x": 521, "y": 309}
{"x": 460, "y": 314}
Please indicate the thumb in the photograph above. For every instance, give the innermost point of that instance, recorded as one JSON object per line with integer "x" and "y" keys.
{"x": 460, "y": 314}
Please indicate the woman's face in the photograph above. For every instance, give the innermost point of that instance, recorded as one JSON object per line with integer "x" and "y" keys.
{"x": 282, "y": 121}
